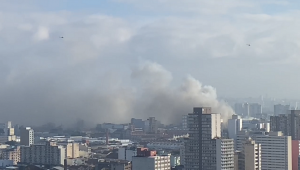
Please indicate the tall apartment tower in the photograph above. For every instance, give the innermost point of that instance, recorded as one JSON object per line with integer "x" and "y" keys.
{"x": 27, "y": 136}
{"x": 281, "y": 109}
{"x": 203, "y": 147}
{"x": 252, "y": 155}
{"x": 234, "y": 126}
{"x": 151, "y": 125}
{"x": 254, "y": 109}
{"x": 276, "y": 151}
{"x": 288, "y": 124}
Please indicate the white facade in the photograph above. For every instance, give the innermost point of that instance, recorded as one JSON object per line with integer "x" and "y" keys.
{"x": 225, "y": 154}
{"x": 151, "y": 163}
{"x": 27, "y": 136}
{"x": 126, "y": 154}
{"x": 276, "y": 151}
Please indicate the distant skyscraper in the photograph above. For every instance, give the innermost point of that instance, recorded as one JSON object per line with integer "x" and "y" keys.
{"x": 255, "y": 109}
{"x": 234, "y": 125}
{"x": 281, "y": 109}
{"x": 246, "y": 109}
{"x": 204, "y": 149}
{"x": 27, "y": 136}
{"x": 151, "y": 125}
{"x": 138, "y": 123}
{"x": 288, "y": 124}
{"x": 238, "y": 108}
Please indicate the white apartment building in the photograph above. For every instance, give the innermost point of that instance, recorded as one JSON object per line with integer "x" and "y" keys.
{"x": 252, "y": 155}
{"x": 224, "y": 154}
{"x": 276, "y": 151}
{"x": 27, "y": 136}
{"x": 151, "y": 163}
{"x": 43, "y": 154}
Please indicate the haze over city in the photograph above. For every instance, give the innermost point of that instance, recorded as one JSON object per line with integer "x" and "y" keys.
{"x": 135, "y": 58}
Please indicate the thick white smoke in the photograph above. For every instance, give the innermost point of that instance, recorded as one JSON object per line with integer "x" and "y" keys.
{"x": 158, "y": 97}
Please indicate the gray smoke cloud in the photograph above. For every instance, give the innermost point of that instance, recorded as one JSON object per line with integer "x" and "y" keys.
{"x": 159, "y": 98}
{"x": 150, "y": 92}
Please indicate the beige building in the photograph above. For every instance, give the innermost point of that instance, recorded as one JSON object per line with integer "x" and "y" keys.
{"x": 252, "y": 155}
{"x": 72, "y": 150}
{"x": 12, "y": 154}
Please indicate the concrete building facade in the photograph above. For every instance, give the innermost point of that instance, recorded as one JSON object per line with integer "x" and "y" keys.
{"x": 43, "y": 154}
{"x": 252, "y": 155}
{"x": 235, "y": 125}
{"x": 27, "y": 136}
{"x": 126, "y": 153}
{"x": 204, "y": 149}
{"x": 149, "y": 160}
{"x": 276, "y": 151}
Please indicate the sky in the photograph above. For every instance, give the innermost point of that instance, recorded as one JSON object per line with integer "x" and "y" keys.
{"x": 118, "y": 57}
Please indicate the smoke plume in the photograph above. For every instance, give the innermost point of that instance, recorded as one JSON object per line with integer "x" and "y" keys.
{"x": 157, "y": 97}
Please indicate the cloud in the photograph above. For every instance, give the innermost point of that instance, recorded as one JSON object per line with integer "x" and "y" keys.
{"x": 93, "y": 73}
{"x": 42, "y": 34}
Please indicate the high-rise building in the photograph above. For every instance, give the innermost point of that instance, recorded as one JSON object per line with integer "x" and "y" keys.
{"x": 295, "y": 153}
{"x": 242, "y": 109}
{"x": 149, "y": 160}
{"x": 234, "y": 125}
{"x": 246, "y": 107}
{"x": 43, "y": 154}
{"x": 151, "y": 125}
{"x": 203, "y": 147}
{"x": 255, "y": 109}
{"x": 224, "y": 154}
{"x": 137, "y": 123}
{"x": 27, "y": 136}
{"x": 276, "y": 151}
{"x": 252, "y": 155}
{"x": 184, "y": 122}
{"x": 72, "y": 150}
{"x": 238, "y": 108}
{"x": 288, "y": 124}
{"x": 281, "y": 109}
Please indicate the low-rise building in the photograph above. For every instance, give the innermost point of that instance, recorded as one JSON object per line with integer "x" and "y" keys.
{"x": 149, "y": 160}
